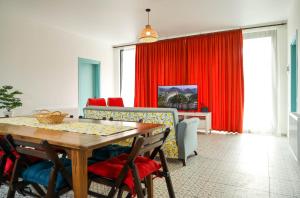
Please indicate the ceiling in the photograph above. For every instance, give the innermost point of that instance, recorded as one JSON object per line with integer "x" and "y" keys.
{"x": 120, "y": 21}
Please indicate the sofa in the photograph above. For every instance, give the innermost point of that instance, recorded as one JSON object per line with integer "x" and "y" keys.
{"x": 182, "y": 140}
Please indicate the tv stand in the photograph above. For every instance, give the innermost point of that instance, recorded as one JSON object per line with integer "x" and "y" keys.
{"x": 204, "y": 118}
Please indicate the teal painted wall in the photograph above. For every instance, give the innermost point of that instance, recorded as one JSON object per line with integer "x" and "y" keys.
{"x": 88, "y": 81}
{"x": 294, "y": 75}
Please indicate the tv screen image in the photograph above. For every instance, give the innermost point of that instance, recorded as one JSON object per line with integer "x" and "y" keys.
{"x": 181, "y": 97}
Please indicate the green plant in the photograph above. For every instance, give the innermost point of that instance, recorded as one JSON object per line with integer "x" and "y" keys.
{"x": 162, "y": 100}
{"x": 192, "y": 98}
{"x": 8, "y": 99}
{"x": 179, "y": 98}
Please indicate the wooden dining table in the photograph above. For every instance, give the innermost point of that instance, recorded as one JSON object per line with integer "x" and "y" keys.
{"x": 79, "y": 146}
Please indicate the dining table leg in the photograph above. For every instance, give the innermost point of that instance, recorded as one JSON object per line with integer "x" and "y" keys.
{"x": 79, "y": 173}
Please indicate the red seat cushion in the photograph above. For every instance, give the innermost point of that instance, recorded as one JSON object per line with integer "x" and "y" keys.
{"x": 115, "y": 102}
{"x": 111, "y": 168}
{"x": 96, "y": 102}
{"x": 10, "y": 165}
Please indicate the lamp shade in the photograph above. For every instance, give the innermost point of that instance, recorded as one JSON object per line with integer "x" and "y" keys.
{"x": 148, "y": 35}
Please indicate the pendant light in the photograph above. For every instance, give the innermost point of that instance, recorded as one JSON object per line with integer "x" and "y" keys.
{"x": 148, "y": 34}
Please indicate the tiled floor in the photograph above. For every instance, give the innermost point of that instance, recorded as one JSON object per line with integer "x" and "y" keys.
{"x": 246, "y": 166}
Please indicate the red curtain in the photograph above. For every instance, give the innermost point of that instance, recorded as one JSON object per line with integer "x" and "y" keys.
{"x": 214, "y": 62}
{"x": 160, "y": 63}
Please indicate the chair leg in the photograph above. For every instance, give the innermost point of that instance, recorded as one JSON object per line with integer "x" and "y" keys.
{"x": 146, "y": 186}
{"x": 51, "y": 184}
{"x": 112, "y": 192}
{"x": 11, "y": 192}
{"x": 118, "y": 182}
{"x": 195, "y": 152}
{"x": 137, "y": 181}
{"x": 89, "y": 184}
{"x": 167, "y": 174}
{"x": 14, "y": 179}
{"x": 38, "y": 189}
{"x": 120, "y": 193}
{"x": 184, "y": 162}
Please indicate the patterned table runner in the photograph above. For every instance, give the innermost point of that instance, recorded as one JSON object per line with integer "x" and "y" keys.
{"x": 77, "y": 127}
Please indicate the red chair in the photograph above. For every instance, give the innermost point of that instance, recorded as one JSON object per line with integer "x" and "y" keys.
{"x": 127, "y": 172}
{"x": 96, "y": 102}
{"x": 115, "y": 102}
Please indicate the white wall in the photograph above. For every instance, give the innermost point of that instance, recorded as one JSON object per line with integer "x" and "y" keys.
{"x": 282, "y": 80}
{"x": 42, "y": 62}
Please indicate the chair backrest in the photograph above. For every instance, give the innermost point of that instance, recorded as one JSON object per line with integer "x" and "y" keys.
{"x": 151, "y": 144}
{"x": 44, "y": 151}
{"x": 115, "y": 102}
{"x": 96, "y": 102}
{"x": 154, "y": 143}
{"x": 143, "y": 145}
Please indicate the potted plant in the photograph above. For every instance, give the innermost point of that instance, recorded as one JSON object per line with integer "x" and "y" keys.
{"x": 8, "y": 99}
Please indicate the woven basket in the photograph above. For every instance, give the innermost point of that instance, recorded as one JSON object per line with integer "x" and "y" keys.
{"x": 47, "y": 117}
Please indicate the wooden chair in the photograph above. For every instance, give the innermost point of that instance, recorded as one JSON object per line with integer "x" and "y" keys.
{"x": 52, "y": 174}
{"x": 110, "y": 151}
{"x": 115, "y": 102}
{"x": 9, "y": 158}
{"x": 96, "y": 102}
{"x": 133, "y": 168}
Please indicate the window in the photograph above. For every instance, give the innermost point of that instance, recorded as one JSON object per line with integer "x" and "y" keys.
{"x": 260, "y": 99}
{"x": 127, "y": 77}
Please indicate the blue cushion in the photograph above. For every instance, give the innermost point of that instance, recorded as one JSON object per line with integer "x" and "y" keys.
{"x": 40, "y": 173}
{"x": 109, "y": 151}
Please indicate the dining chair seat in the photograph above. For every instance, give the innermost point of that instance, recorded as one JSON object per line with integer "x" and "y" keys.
{"x": 9, "y": 164}
{"x": 111, "y": 168}
{"x": 40, "y": 173}
{"x": 109, "y": 151}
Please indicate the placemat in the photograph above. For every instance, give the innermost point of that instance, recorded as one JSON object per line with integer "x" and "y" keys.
{"x": 77, "y": 127}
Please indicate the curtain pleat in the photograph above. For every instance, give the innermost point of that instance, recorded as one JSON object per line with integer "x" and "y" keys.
{"x": 159, "y": 63}
{"x": 214, "y": 62}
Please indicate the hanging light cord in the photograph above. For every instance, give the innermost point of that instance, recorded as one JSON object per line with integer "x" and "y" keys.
{"x": 148, "y": 11}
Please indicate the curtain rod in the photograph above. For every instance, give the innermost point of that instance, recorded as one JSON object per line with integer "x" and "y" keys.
{"x": 263, "y": 26}
{"x": 244, "y": 28}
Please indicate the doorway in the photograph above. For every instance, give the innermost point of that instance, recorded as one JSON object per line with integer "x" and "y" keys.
{"x": 294, "y": 75}
{"x": 88, "y": 81}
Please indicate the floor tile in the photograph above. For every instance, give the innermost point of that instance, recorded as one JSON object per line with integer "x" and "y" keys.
{"x": 233, "y": 166}
{"x": 284, "y": 187}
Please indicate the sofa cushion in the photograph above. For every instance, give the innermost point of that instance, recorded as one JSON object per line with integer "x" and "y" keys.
{"x": 166, "y": 116}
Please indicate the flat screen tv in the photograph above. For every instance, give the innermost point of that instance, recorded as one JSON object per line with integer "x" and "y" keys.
{"x": 181, "y": 97}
